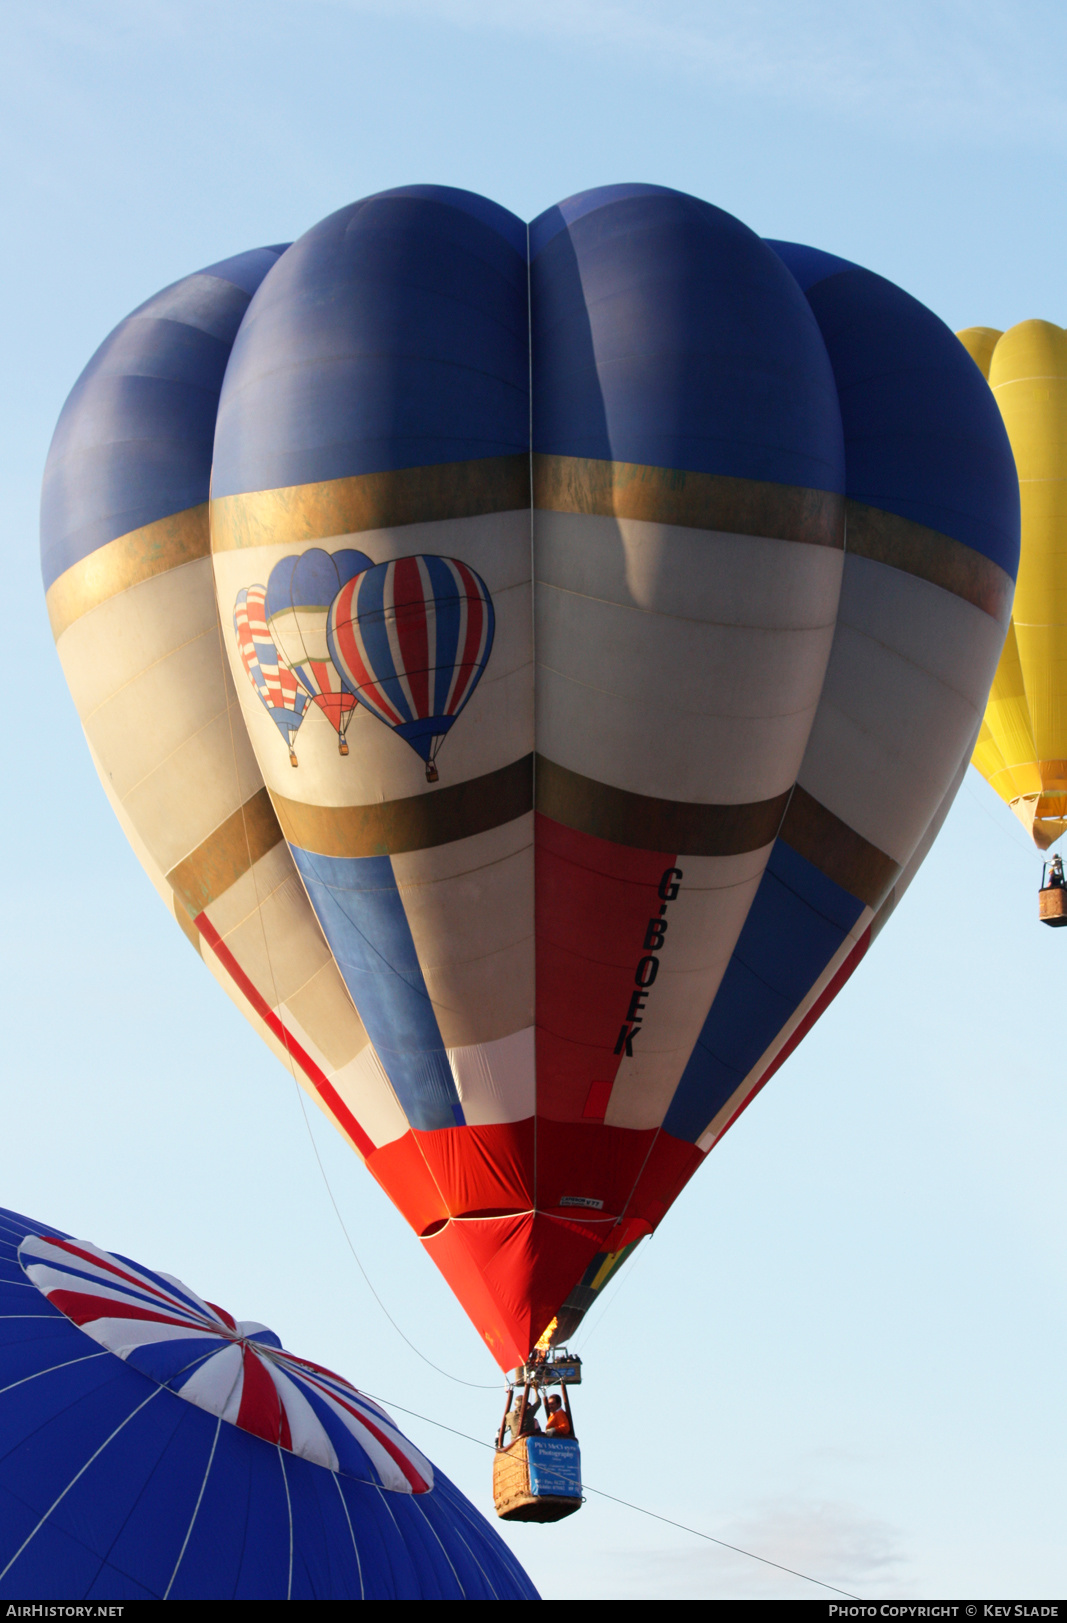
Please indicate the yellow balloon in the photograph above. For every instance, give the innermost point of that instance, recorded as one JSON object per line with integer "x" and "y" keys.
{"x": 1022, "y": 747}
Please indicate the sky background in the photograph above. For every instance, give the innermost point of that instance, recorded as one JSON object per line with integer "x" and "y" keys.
{"x": 843, "y": 1347}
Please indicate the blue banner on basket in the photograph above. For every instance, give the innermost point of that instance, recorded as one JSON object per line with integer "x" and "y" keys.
{"x": 555, "y": 1466}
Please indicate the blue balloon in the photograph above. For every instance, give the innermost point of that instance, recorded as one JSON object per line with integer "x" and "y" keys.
{"x": 148, "y": 1451}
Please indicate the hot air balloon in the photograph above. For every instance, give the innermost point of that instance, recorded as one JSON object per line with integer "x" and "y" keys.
{"x": 411, "y": 639}
{"x": 746, "y": 520}
{"x": 275, "y": 683}
{"x": 155, "y": 1447}
{"x": 1022, "y": 747}
{"x": 299, "y": 593}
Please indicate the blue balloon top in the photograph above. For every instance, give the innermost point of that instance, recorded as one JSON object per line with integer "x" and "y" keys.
{"x": 393, "y": 335}
{"x": 665, "y": 333}
{"x": 133, "y": 442}
{"x": 923, "y": 435}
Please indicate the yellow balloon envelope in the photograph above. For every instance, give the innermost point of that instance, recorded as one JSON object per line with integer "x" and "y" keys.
{"x": 1022, "y": 746}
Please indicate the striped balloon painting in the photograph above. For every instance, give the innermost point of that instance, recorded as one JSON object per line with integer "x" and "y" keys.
{"x": 238, "y": 1370}
{"x": 299, "y": 593}
{"x": 275, "y": 683}
{"x": 411, "y": 639}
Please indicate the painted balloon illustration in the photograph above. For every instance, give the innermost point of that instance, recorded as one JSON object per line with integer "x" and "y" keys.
{"x": 411, "y": 639}
{"x": 299, "y": 593}
{"x": 276, "y": 685}
{"x": 564, "y": 508}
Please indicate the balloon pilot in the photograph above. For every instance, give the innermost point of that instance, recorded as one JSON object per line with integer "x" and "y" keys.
{"x": 1052, "y": 897}
{"x": 537, "y": 1473}
{"x": 558, "y": 1423}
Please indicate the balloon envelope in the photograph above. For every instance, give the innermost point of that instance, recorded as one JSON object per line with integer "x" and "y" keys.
{"x": 156, "y": 1448}
{"x": 1022, "y": 748}
{"x": 702, "y": 547}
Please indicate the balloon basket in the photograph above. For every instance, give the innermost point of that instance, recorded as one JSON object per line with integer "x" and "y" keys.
{"x": 1052, "y": 905}
{"x": 292, "y": 758}
{"x": 342, "y": 746}
{"x": 526, "y": 1472}
{"x": 431, "y": 772}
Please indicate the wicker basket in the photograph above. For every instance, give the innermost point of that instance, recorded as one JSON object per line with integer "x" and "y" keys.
{"x": 1052, "y": 902}
{"x": 515, "y": 1481}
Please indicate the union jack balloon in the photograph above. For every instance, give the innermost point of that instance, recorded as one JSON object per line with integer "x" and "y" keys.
{"x": 411, "y": 639}
{"x": 238, "y": 1370}
{"x": 299, "y": 593}
{"x": 274, "y": 682}
{"x": 153, "y": 1446}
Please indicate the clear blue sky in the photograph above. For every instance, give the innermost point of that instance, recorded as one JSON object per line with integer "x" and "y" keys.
{"x": 843, "y": 1349}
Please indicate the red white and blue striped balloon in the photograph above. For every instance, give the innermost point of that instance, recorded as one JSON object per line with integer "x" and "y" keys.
{"x": 411, "y": 639}
{"x": 274, "y": 682}
{"x": 236, "y": 1369}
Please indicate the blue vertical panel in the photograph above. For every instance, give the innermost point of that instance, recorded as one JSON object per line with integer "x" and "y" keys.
{"x": 267, "y": 1553}
{"x": 151, "y": 1538}
{"x": 486, "y": 1567}
{"x": 794, "y": 928}
{"x": 362, "y": 916}
{"x": 322, "y": 1539}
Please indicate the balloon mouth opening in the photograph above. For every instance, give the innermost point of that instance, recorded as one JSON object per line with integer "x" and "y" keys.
{"x": 1043, "y": 815}
{"x": 481, "y": 1215}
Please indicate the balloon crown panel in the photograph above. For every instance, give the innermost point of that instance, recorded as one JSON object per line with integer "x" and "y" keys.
{"x": 531, "y": 663}
{"x": 236, "y": 1370}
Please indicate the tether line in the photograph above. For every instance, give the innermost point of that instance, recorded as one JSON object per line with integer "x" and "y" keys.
{"x": 601, "y": 1494}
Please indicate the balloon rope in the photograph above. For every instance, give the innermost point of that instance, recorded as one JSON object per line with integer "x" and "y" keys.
{"x": 533, "y": 655}
{"x": 1022, "y": 846}
{"x": 641, "y": 1509}
{"x": 592, "y": 1319}
{"x": 478, "y": 1385}
{"x": 723, "y": 1543}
